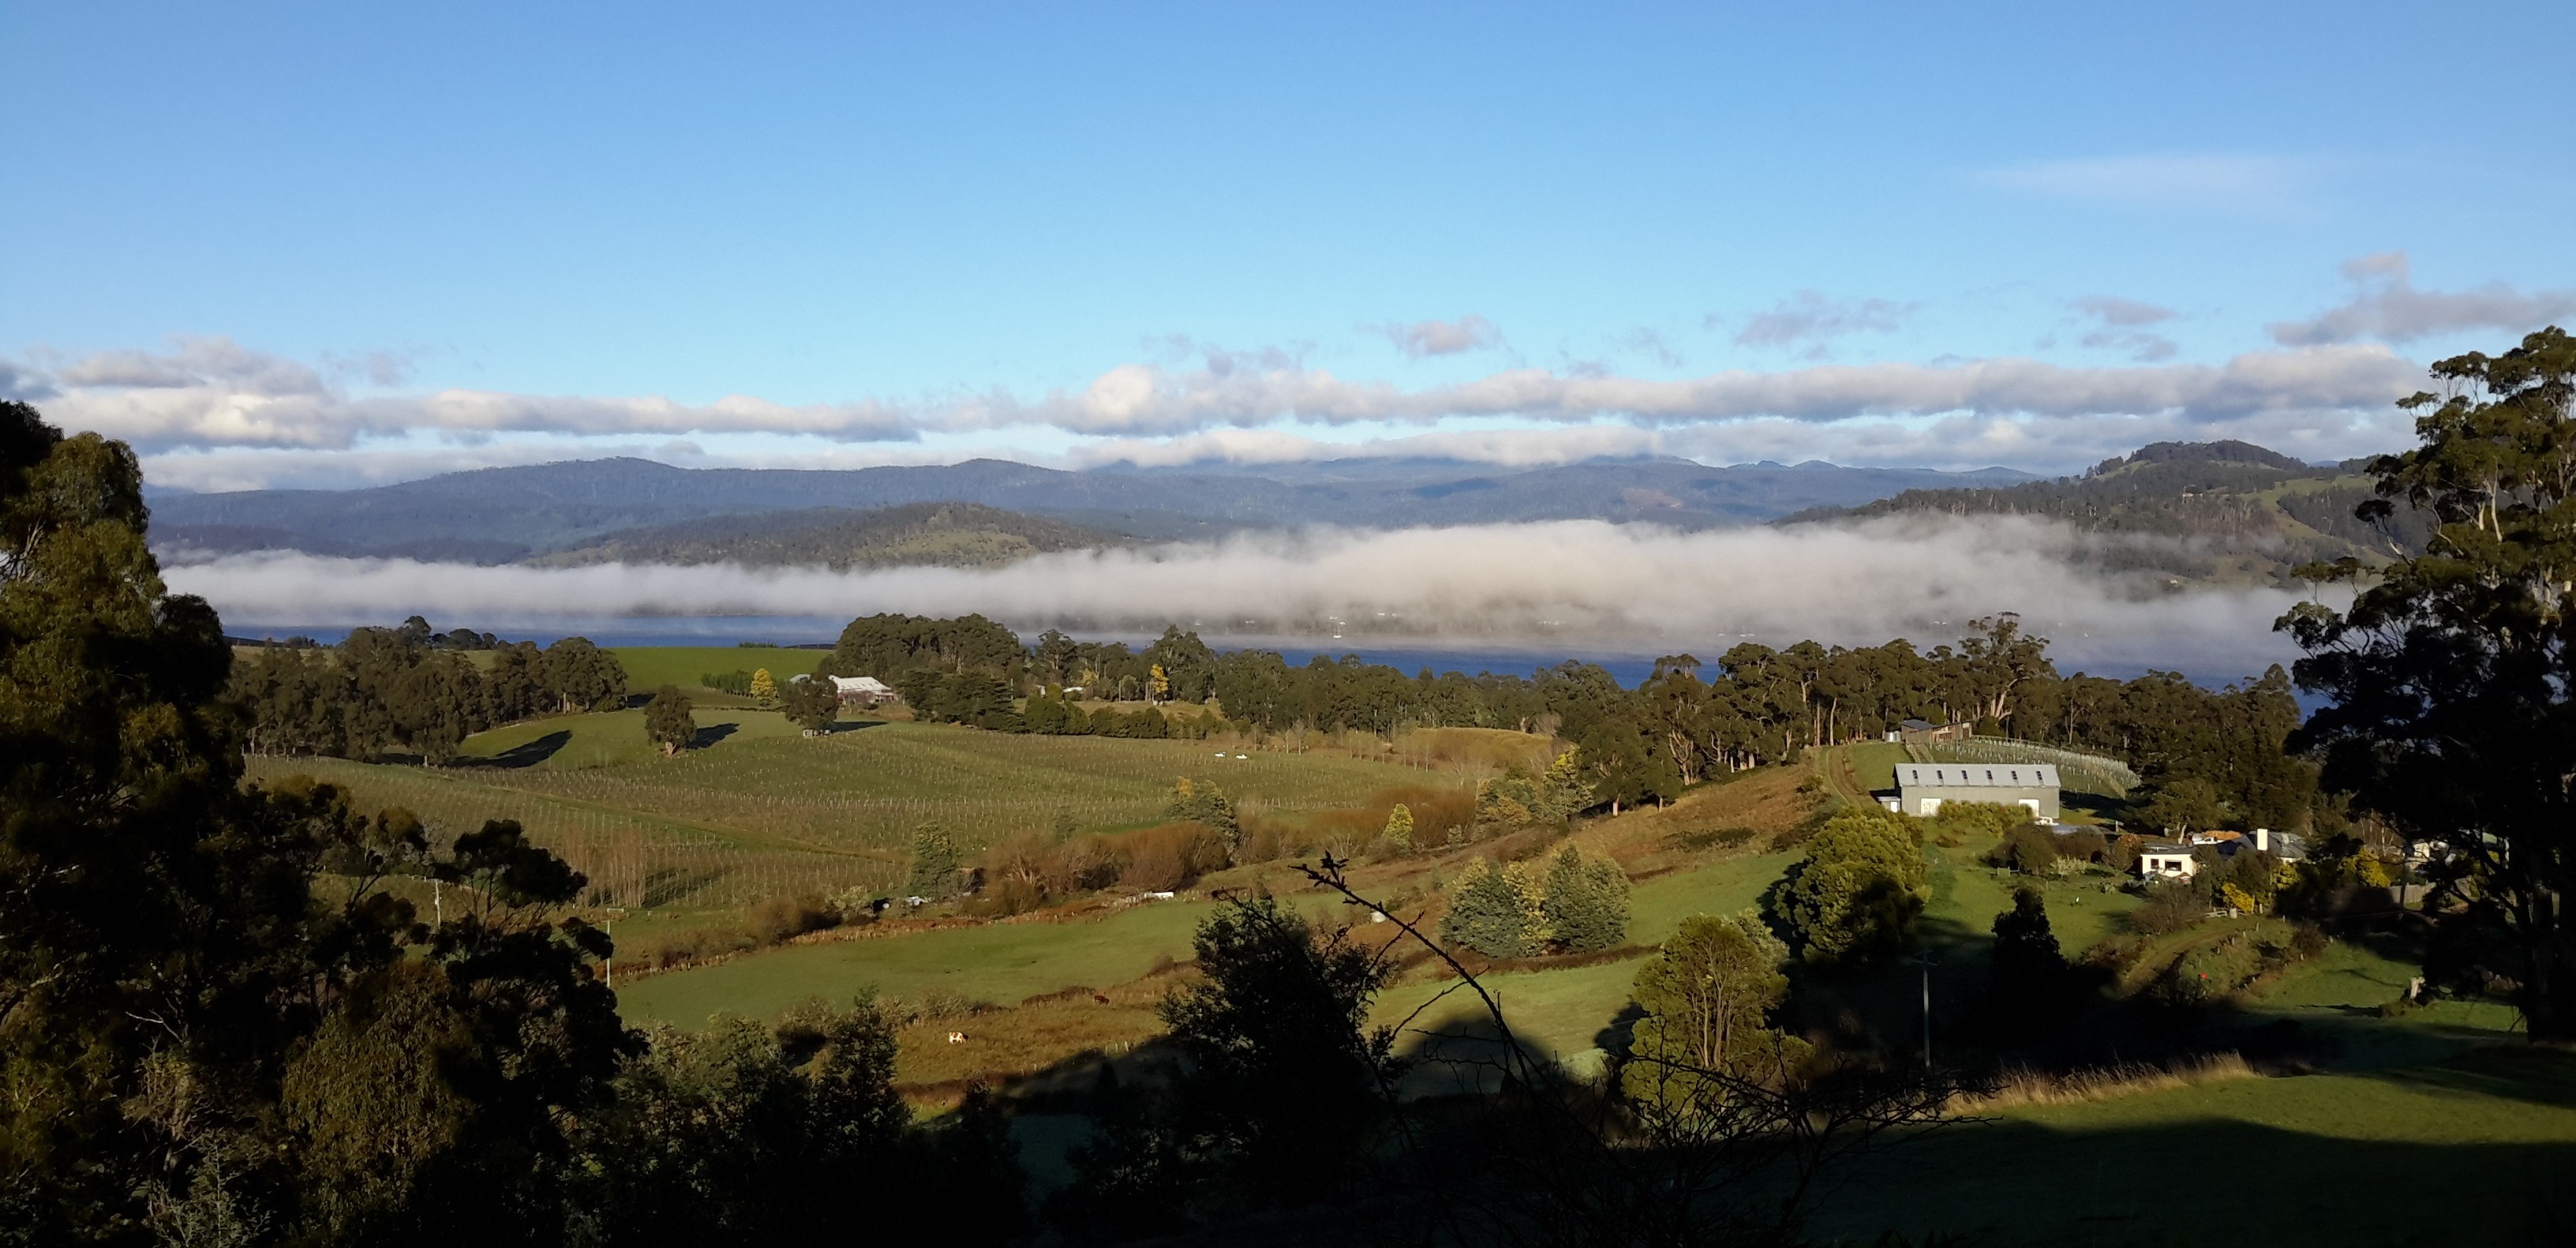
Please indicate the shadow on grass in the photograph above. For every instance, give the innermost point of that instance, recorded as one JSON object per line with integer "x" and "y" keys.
{"x": 711, "y": 734}
{"x": 670, "y": 885}
{"x": 2202, "y": 1182}
{"x": 2529, "y": 1073}
{"x": 524, "y": 754}
{"x": 836, "y": 727}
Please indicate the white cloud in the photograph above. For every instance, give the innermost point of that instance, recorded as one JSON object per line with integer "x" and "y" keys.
{"x": 2123, "y": 323}
{"x": 1811, "y": 316}
{"x": 1576, "y": 585}
{"x": 2226, "y": 181}
{"x": 209, "y": 413}
{"x": 2385, "y": 305}
{"x": 1138, "y": 400}
{"x": 1520, "y": 448}
{"x": 215, "y": 392}
{"x": 1435, "y": 337}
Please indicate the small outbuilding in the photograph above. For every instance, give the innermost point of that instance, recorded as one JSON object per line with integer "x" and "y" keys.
{"x": 1925, "y": 732}
{"x": 1923, "y": 788}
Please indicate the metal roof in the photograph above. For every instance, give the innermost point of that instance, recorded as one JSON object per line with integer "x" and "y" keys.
{"x": 1976, "y": 776}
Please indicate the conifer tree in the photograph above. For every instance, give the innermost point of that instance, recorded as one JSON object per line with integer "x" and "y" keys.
{"x": 1494, "y": 911}
{"x": 934, "y": 862}
{"x": 2026, "y": 967}
{"x": 1201, "y": 801}
{"x": 1399, "y": 828}
{"x": 1562, "y": 792}
{"x": 763, "y": 688}
{"x": 668, "y": 722}
{"x": 1586, "y": 903}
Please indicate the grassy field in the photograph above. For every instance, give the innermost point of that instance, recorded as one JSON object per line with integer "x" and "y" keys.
{"x": 997, "y": 963}
{"x": 762, "y": 810}
{"x": 2437, "y": 1101}
{"x": 650, "y": 667}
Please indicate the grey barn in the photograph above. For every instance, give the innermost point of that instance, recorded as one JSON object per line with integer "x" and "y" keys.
{"x": 1921, "y": 788}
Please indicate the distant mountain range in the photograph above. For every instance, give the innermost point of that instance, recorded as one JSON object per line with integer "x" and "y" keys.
{"x": 956, "y": 535}
{"x": 2204, "y": 512}
{"x": 555, "y": 511}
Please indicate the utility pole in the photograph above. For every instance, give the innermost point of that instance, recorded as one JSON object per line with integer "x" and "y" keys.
{"x": 614, "y": 914}
{"x": 1925, "y": 958}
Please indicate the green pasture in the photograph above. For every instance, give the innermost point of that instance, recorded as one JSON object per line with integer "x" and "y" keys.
{"x": 1875, "y": 762}
{"x": 761, "y": 810}
{"x": 1001, "y": 963}
{"x": 651, "y": 667}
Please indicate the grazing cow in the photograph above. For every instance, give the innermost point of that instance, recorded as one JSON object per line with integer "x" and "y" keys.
{"x": 956, "y": 1037}
{"x": 1100, "y": 998}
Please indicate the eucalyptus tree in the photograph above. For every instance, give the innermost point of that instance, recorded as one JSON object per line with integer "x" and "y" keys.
{"x": 2450, "y": 676}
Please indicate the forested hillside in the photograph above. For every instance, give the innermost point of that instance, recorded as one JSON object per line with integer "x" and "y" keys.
{"x": 956, "y": 535}
{"x": 2193, "y": 511}
{"x": 502, "y": 515}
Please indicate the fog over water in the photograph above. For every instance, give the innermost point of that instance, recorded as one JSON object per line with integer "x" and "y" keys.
{"x": 1533, "y": 592}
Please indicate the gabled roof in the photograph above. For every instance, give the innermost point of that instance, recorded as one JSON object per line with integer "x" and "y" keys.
{"x": 1976, "y": 776}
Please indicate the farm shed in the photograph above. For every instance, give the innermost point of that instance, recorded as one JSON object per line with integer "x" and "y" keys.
{"x": 862, "y": 690}
{"x": 1923, "y": 788}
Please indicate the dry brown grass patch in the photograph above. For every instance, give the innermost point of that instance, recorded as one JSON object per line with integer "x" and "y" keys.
{"x": 2033, "y": 1087}
{"x": 1037, "y": 1034}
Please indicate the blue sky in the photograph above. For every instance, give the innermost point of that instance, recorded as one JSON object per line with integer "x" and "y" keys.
{"x": 332, "y": 245}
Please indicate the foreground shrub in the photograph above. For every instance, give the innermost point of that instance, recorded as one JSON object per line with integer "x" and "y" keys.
{"x": 2027, "y": 848}
{"x": 2171, "y": 906}
{"x": 744, "y": 1134}
{"x": 1707, "y": 998}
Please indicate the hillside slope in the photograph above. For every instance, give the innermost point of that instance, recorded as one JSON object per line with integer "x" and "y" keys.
{"x": 2221, "y": 512}
{"x": 500, "y": 514}
{"x": 955, "y": 535}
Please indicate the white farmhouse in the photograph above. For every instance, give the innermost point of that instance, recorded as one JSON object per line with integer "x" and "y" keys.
{"x": 2173, "y": 862}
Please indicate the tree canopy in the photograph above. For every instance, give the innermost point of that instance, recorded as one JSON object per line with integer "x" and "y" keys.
{"x": 2452, "y": 677}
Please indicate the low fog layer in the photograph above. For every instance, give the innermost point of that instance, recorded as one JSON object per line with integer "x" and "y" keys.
{"x": 1568, "y": 587}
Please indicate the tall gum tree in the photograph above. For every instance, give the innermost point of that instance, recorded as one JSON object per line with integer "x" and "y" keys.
{"x": 2449, "y": 675}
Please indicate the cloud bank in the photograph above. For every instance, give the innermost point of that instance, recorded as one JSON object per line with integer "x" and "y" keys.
{"x": 212, "y": 392}
{"x": 1569, "y": 587}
